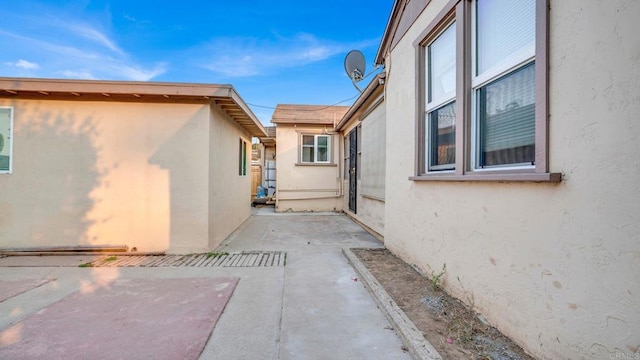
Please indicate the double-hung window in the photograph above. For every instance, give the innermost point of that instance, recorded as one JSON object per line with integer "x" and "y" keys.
{"x": 6, "y": 139}
{"x": 440, "y": 118}
{"x": 503, "y": 83}
{"x": 483, "y": 109}
{"x": 315, "y": 149}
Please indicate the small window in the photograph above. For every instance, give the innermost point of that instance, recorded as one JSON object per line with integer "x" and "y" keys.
{"x": 242, "y": 156}
{"x": 315, "y": 148}
{"x": 6, "y": 139}
{"x": 440, "y": 118}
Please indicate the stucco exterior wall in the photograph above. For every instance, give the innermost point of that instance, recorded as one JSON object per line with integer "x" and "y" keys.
{"x": 306, "y": 187}
{"x": 107, "y": 173}
{"x": 229, "y": 192}
{"x": 555, "y": 267}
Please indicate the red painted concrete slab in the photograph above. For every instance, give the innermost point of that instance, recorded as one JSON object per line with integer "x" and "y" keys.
{"x": 11, "y": 288}
{"x": 128, "y": 319}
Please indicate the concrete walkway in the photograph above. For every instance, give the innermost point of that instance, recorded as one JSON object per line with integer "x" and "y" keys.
{"x": 314, "y": 307}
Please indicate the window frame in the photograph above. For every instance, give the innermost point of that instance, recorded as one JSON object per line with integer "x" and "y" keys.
{"x": 315, "y": 149}
{"x": 460, "y": 11}
{"x": 242, "y": 157}
{"x": 8, "y": 142}
{"x": 345, "y": 158}
{"x": 432, "y": 105}
{"x": 500, "y": 71}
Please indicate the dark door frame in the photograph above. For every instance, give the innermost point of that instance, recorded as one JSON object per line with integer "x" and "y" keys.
{"x": 353, "y": 170}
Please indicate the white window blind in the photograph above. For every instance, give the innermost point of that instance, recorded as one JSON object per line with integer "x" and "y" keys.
{"x": 506, "y": 29}
{"x": 507, "y": 119}
{"x": 441, "y": 59}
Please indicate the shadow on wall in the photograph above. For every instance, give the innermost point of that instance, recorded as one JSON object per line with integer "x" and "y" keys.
{"x": 185, "y": 157}
{"x": 47, "y": 199}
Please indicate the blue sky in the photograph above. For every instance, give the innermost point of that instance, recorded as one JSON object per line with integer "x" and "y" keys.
{"x": 271, "y": 51}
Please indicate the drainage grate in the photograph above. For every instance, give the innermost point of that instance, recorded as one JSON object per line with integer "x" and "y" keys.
{"x": 243, "y": 259}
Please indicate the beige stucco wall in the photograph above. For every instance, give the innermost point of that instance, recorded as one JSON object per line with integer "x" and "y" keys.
{"x": 555, "y": 267}
{"x": 113, "y": 173}
{"x": 230, "y": 193}
{"x": 306, "y": 187}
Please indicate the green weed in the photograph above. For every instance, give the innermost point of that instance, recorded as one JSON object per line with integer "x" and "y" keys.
{"x": 216, "y": 254}
{"x": 435, "y": 278}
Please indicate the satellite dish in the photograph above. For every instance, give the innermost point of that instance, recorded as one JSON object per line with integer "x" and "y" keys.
{"x": 355, "y": 65}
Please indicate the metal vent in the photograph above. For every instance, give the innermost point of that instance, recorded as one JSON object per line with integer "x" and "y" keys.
{"x": 243, "y": 259}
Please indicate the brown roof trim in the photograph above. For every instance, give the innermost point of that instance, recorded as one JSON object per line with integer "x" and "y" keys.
{"x": 270, "y": 139}
{"x": 377, "y": 82}
{"x": 388, "y": 31}
{"x": 225, "y": 96}
{"x": 403, "y": 14}
{"x": 308, "y": 114}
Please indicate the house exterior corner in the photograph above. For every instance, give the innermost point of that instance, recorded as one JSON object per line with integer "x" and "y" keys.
{"x": 553, "y": 265}
{"x": 153, "y": 166}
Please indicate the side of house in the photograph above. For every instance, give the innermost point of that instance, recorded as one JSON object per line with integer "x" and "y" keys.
{"x": 363, "y": 131}
{"x": 230, "y": 167}
{"x": 148, "y": 165}
{"x": 308, "y": 158}
{"x": 512, "y": 151}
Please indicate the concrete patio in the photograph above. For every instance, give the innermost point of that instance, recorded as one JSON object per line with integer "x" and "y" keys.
{"x": 311, "y": 307}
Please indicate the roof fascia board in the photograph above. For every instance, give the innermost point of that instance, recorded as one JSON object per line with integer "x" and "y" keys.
{"x": 398, "y": 25}
{"x": 15, "y": 86}
{"x": 237, "y": 99}
{"x": 113, "y": 87}
{"x": 377, "y": 82}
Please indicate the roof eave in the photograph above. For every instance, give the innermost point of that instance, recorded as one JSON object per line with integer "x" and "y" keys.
{"x": 377, "y": 82}
{"x": 129, "y": 91}
{"x": 392, "y": 23}
{"x": 301, "y": 122}
{"x": 250, "y": 122}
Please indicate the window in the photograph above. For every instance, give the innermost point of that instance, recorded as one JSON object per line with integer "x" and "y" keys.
{"x": 483, "y": 90}
{"x": 504, "y": 83}
{"x": 440, "y": 118}
{"x": 315, "y": 149}
{"x": 6, "y": 139}
{"x": 242, "y": 158}
{"x": 506, "y": 120}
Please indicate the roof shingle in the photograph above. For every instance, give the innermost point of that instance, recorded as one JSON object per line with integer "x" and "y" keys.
{"x": 308, "y": 114}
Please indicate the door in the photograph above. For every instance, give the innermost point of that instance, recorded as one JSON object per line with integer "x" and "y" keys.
{"x": 353, "y": 169}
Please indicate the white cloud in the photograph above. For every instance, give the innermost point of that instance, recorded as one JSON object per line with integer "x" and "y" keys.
{"x": 77, "y": 74}
{"x": 24, "y": 64}
{"x": 244, "y": 57}
{"x": 94, "y": 35}
{"x": 139, "y": 74}
{"x": 69, "y": 56}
